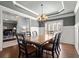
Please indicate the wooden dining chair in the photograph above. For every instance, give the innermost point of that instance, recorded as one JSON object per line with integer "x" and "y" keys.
{"x": 53, "y": 47}
{"x": 58, "y": 43}
{"x": 28, "y": 33}
{"x": 25, "y": 49}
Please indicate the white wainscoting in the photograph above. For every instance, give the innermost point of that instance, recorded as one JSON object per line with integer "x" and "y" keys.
{"x": 77, "y": 37}
{"x": 9, "y": 43}
{"x": 68, "y": 35}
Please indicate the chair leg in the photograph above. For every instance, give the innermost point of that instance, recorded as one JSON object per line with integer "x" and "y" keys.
{"x": 40, "y": 51}
{"x": 45, "y": 53}
{"x": 36, "y": 53}
{"x": 23, "y": 55}
{"x": 26, "y": 55}
{"x": 53, "y": 54}
{"x": 57, "y": 55}
{"x": 19, "y": 54}
{"x": 57, "y": 52}
{"x": 59, "y": 48}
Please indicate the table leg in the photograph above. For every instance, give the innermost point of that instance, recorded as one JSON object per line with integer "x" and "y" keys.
{"x": 40, "y": 51}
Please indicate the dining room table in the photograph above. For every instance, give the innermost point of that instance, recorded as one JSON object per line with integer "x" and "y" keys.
{"x": 39, "y": 41}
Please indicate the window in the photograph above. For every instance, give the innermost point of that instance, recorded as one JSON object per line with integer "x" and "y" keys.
{"x": 53, "y": 26}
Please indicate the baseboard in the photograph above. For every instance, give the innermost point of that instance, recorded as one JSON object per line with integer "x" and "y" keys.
{"x": 77, "y": 50}
{"x": 67, "y": 43}
{"x": 9, "y": 43}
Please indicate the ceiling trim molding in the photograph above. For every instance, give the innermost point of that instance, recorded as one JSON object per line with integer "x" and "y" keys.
{"x": 16, "y": 12}
{"x": 76, "y": 7}
{"x": 57, "y": 12}
{"x": 25, "y": 8}
{"x": 62, "y": 16}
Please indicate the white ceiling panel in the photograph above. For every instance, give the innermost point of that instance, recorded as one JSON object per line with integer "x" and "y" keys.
{"x": 48, "y": 6}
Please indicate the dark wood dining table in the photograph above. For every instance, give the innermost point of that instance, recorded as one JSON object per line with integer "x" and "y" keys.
{"x": 39, "y": 40}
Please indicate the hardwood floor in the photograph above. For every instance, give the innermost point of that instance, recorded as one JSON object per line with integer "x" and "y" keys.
{"x": 67, "y": 51}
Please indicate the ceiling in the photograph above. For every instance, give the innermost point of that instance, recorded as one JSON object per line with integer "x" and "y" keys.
{"x": 49, "y": 6}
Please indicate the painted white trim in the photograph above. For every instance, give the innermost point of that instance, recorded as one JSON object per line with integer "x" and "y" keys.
{"x": 76, "y": 8}
{"x": 9, "y": 43}
{"x": 76, "y": 24}
{"x": 16, "y": 12}
{"x": 61, "y": 16}
{"x": 1, "y": 30}
{"x": 62, "y": 7}
{"x": 56, "y": 12}
{"x": 68, "y": 35}
{"x": 76, "y": 38}
{"x": 77, "y": 50}
{"x": 15, "y": 3}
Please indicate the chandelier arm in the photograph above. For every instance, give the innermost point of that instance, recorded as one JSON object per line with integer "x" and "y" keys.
{"x": 42, "y": 17}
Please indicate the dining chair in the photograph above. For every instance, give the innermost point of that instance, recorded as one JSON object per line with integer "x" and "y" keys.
{"x": 25, "y": 49}
{"x": 58, "y": 42}
{"x": 53, "y": 47}
{"x": 28, "y": 33}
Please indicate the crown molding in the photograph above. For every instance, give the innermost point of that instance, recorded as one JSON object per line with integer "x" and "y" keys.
{"x": 25, "y": 8}
{"x": 16, "y": 12}
{"x": 57, "y": 12}
{"x": 62, "y": 15}
{"x": 76, "y": 7}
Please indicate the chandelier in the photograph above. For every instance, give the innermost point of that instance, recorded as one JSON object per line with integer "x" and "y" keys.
{"x": 42, "y": 17}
